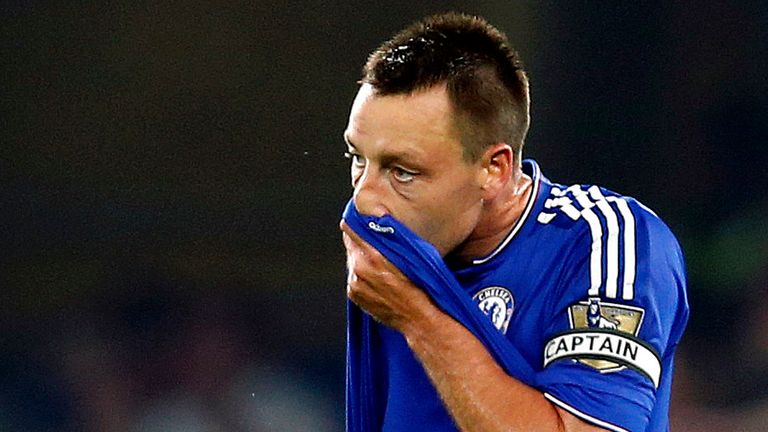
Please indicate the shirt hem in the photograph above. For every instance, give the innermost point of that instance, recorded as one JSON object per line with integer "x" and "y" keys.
{"x": 584, "y": 416}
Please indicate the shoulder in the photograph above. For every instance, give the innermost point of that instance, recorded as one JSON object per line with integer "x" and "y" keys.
{"x": 621, "y": 256}
{"x": 611, "y": 234}
{"x": 594, "y": 210}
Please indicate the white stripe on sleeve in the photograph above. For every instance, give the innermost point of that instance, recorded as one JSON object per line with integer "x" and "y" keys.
{"x": 630, "y": 261}
{"x": 612, "y": 257}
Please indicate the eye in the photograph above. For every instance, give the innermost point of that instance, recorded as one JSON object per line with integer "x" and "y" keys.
{"x": 357, "y": 160}
{"x": 402, "y": 175}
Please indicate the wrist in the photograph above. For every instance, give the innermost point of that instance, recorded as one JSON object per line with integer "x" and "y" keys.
{"x": 425, "y": 323}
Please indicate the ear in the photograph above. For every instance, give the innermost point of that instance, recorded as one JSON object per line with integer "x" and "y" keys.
{"x": 497, "y": 164}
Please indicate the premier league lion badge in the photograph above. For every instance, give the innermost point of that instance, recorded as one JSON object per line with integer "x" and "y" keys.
{"x": 497, "y": 304}
{"x": 595, "y": 314}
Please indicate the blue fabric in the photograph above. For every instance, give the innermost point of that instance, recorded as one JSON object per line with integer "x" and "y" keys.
{"x": 572, "y": 246}
{"x": 423, "y": 265}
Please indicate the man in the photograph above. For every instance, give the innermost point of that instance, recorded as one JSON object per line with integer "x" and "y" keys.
{"x": 587, "y": 285}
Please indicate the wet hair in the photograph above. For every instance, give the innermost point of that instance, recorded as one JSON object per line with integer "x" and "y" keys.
{"x": 484, "y": 77}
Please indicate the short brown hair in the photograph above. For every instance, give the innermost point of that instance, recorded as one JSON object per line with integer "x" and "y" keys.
{"x": 484, "y": 77}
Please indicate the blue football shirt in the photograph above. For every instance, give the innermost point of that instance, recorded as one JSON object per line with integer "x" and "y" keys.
{"x": 589, "y": 286}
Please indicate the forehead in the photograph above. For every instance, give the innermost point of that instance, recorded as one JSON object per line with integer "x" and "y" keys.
{"x": 423, "y": 118}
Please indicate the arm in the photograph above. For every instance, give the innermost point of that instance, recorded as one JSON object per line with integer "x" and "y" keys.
{"x": 477, "y": 392}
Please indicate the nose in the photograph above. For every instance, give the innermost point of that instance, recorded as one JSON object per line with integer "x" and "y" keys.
{"x": 369, "y": 193}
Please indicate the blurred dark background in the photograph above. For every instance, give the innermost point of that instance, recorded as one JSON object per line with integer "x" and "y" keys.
{"x": 171, "y": 178}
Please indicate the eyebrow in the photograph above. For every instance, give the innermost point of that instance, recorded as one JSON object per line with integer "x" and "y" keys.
{"x": 389, "y": 157}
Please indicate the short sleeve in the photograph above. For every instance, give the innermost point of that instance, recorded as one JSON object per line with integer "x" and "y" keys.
{"x": 619, "y": 313}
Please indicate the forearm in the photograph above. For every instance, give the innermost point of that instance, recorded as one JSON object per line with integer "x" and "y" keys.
{"x": 480, "y": 396}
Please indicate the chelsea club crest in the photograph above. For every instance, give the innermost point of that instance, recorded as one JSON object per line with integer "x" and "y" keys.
{"x": 497, "y": 304}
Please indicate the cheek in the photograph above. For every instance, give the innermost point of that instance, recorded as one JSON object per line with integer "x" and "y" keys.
{"x": 463, "y": 213}
{"x": 466, "y": 205}
{"x": 449, "y": 218}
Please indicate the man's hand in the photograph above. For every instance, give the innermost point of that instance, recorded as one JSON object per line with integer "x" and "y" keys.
{"x": 448, "y": 351}
{"x": 379, "y": 288}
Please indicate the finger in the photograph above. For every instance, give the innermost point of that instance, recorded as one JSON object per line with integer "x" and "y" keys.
{"x": 360, "y": 292}
{"x": 349, "y": 237}
{"x": 352, "y": 234}
{"x": 361, "y": 246}
{"x": 348, "y": 242}
{"x": 351, "y": 277}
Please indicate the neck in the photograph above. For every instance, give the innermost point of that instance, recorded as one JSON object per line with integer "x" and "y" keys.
{"x": 497, "y": 219}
